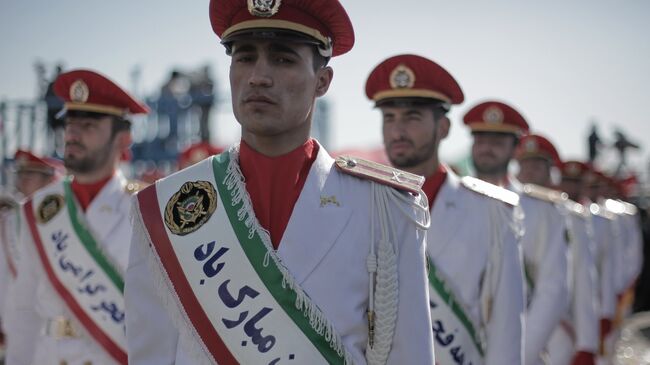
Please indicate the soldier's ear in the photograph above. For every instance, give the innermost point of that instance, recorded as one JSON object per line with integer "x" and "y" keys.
{"x": 443, "y": 127}
{"x": 325, "y": 76}
{"x": 124, "y": 139}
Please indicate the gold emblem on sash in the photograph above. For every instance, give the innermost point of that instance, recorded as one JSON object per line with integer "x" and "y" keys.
{"x": 190, "y": 207}
{"x": 49, "y": 207}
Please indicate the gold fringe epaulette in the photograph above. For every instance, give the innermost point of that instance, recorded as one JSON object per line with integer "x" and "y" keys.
{"x": 382, "y": 174}
{"x": 546, "y": 194}
{"x": 491, "y": 190}
{"x": 577, "y": 208}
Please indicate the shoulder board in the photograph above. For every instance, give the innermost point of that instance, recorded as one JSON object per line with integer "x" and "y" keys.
{"x": 620, "y": 207}
{"x": 577, "y": 208}
{"x": 491, "y": 190}
{"x": 598, "y": 210}
{"x": 379, "y": 173}
{"x": 630, "y": 209}
{"x": 542, "y": 193}
{"x": 133, "y": 186}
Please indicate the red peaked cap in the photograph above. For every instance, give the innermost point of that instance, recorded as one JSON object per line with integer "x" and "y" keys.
{"x": 535, "y": 145}
{"x": 323, "y": 20}
{"x": 412, "y": 76}
{"x": 86, "y": 90}
{"x": 573, "y": 169}
{"x": 495, "y": 116}
{"x": 27, "y": 161}
{"x": 196, "y": 153}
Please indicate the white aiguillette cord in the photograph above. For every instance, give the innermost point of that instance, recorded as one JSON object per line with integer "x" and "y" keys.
{"x": 382, "y": 267}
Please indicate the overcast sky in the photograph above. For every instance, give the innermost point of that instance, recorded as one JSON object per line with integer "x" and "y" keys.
{"x": 561, "y": 63}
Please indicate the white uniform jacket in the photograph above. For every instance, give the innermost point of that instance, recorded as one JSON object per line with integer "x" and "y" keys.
{"x": 602, "y": 223}
{"x": 10, "y": 221}
{"x": 628, "y": 247}
{"x": 580, "y": 327}
{"x": 473, "y": 241}
{"x": 325, "y": 248}
{"x": 37, "y": 302}
{"x": 546, "y": 263}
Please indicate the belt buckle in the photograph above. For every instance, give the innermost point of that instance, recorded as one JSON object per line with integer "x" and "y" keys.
{"x": 63, "y": 328}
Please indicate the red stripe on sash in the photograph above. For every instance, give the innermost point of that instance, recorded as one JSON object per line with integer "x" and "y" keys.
{"x": 153, "y": 221}
{"x": 95, "y": 331}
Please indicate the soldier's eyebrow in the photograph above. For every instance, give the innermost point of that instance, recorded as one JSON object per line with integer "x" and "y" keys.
{"x": 244, "y": 47}
{"x": 412, "y": 112}
{"x": 283, "y": 48}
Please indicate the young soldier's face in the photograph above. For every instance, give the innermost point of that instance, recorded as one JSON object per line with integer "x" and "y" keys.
{"x": 534, "y": 170}
{"x": 491, "y": 152}
{"x": 410, "y": 135}
{"x": 274, "y": 86}
{"x": 89, "y": 143}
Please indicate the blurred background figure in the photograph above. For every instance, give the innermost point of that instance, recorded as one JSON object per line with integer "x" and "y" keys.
{"x": 196, "y": 153}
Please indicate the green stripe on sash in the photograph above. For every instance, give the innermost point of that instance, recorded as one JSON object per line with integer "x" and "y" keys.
{"x": 88, "y": 241}
{"x": 448, "y": 297}
{"x": 270, "y": 275}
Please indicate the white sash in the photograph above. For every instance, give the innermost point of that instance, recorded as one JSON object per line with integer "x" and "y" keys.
{"x": 242, "y": 303}
{"x": 77, "y": 269}
{"x": 455, "y": 338}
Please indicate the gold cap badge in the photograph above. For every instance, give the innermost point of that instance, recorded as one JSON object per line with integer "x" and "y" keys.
{"x": 531, "y": 145}
{"x": 79, "y": 91}
{"x": 402, "y": 77}
{"x": 263, "y": 8}
{"x": 493, "y": 115}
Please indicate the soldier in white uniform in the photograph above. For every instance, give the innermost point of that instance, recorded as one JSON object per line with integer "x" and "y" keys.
{"x": 32, "y": 173}
{"x": 577, "y": 175}
{"x": 273, "y": 252}
{"x": 75, "y": 236}
{"x": 496, "y": 128}
{"x": 475, "y": 274}
{"x": 575, "y": 340}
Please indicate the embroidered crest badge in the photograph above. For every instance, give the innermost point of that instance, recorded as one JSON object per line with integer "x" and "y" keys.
{"x": 50, "y": 206}
{"x": 402, "y": 77}
{"x": 263, "y": 8}
{"x": 79, "y": 91}
{"x": 493, "y": 115}
{"x": 190, "y": 207}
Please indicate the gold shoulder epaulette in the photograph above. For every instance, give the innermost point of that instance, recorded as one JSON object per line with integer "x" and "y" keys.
{"x": 133, "y": 186}
{"x": 577, "y": 208}
{"x": 491, "y": 190}
{"x": 598, "y": 210}
{"x": 542, "y": 193}
{"x": 382, "y": 174}
{"x": 630, "y": 208}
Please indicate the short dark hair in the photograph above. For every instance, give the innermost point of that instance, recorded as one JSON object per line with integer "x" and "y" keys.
{"x": 319, "y": 61}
